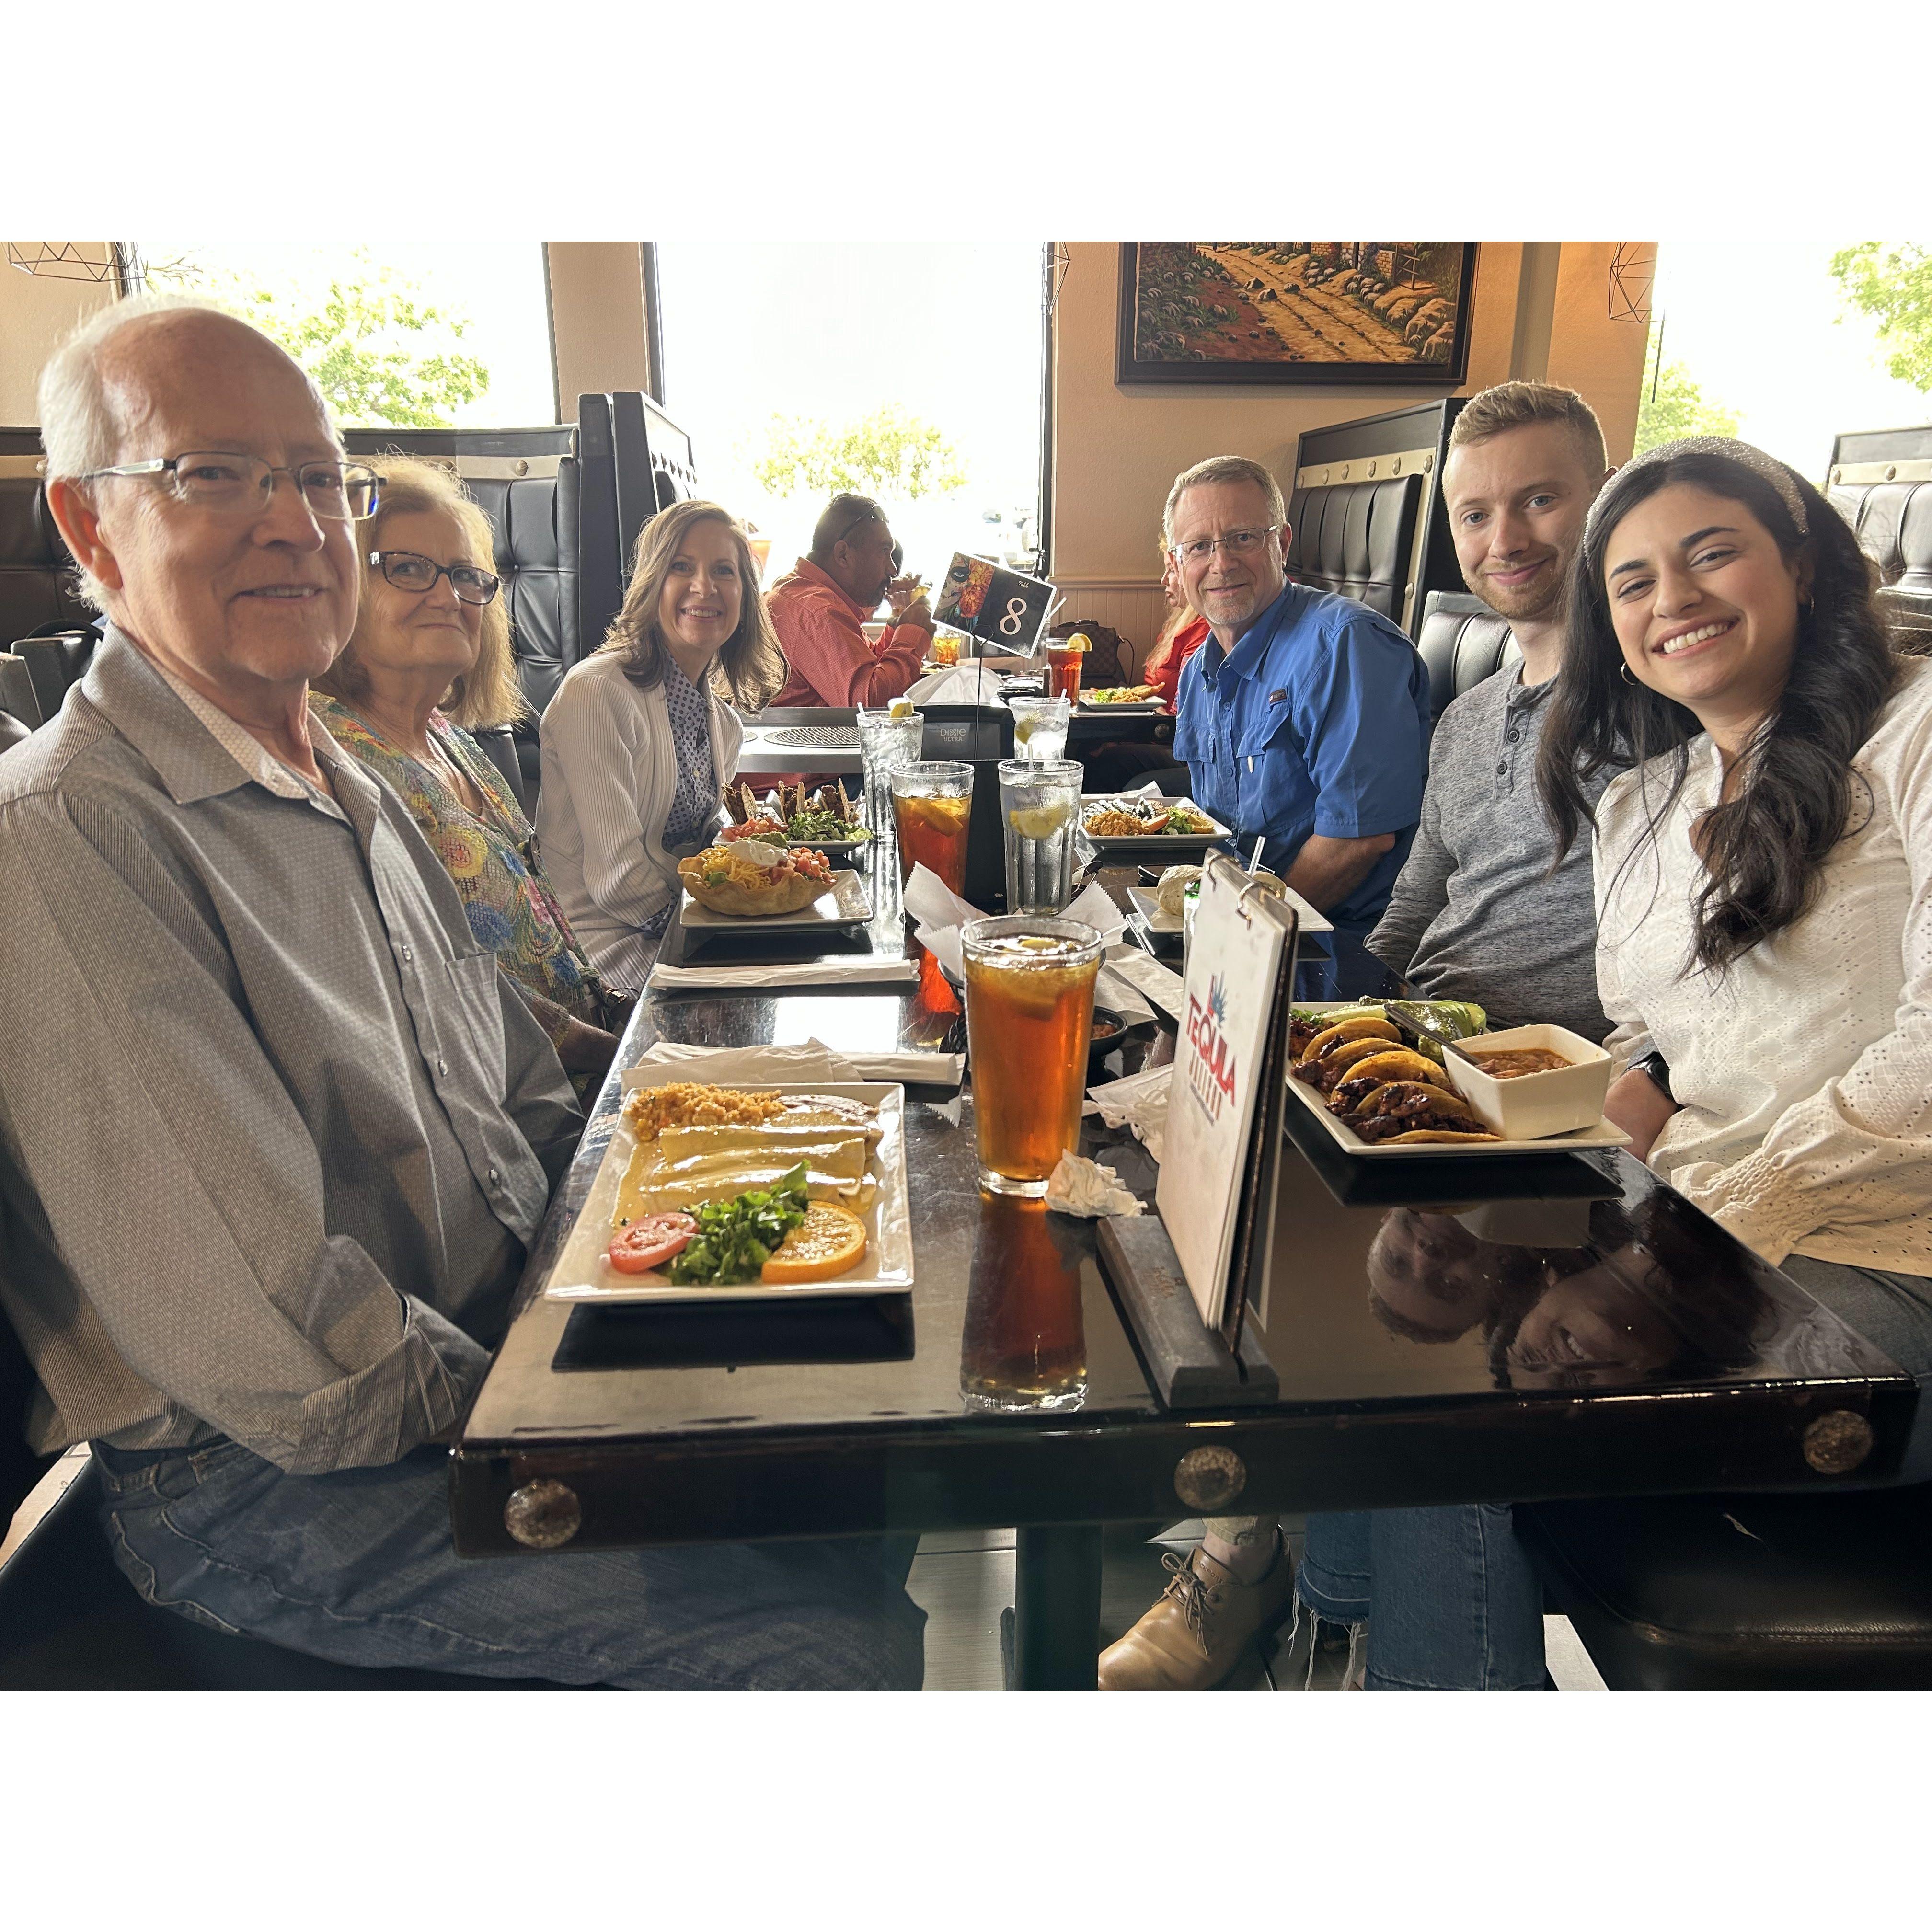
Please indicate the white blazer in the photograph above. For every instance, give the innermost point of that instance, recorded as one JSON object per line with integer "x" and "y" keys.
{"x": 610, "y": 774}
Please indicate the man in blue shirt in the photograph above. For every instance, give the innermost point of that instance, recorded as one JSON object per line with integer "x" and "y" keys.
{"x": 1304, "y": 717}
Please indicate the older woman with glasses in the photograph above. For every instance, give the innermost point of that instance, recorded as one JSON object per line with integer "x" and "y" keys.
{"x": 430, "y": 654}
{"x": 640, "y": 740}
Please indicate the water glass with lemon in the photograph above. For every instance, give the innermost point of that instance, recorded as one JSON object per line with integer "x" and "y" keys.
{"x": 1039, "y": 728}
{"x": 1040, "y": 805}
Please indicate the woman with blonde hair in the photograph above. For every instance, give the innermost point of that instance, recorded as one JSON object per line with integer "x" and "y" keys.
{"x": 642, "y": 738}
{"x": 429, "y": 661}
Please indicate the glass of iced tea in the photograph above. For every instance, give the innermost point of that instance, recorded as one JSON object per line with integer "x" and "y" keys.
{"x": 1064, "y": 657}
{"x": 1024, "y": 1345}
{"x": 932, "y": 809}
{"x": 1029, "y": 1015}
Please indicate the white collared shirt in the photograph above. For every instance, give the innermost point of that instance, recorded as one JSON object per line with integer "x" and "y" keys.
{"x": 1804, "y": 1072}
{"x": 248, "y": 751}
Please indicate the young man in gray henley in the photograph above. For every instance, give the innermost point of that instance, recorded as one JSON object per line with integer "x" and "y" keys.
{"x": 1475, "y": 913}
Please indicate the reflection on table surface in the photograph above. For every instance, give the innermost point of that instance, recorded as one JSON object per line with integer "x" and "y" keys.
{"x": 1530, "y": 1291}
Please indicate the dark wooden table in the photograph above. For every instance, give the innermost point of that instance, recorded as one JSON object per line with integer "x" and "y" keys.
{"x": 1409, "y": 1317}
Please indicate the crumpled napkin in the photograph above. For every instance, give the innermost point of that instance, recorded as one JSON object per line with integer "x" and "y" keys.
{"x": 1139, "y": 1102}
{"x": 937, "y": 912}
{"x": 1078, "y": 1186}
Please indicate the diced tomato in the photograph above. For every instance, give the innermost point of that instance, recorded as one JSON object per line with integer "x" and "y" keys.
{"x": 650, "y": 1241}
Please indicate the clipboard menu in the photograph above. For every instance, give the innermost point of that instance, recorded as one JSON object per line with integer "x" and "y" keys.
{"x": 1216, "y": 1194}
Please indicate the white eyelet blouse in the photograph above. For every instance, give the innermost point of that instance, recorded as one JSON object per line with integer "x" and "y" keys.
{"x": 1804, "y": 1072}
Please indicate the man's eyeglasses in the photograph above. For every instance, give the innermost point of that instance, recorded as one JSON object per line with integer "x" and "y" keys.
{"x": 408, "y": 572}
{"x": 1236, "y": 543}
{"x": 227, "y": 483}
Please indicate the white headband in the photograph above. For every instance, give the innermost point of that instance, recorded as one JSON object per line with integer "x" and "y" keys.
{"x": 1780, "y": 476}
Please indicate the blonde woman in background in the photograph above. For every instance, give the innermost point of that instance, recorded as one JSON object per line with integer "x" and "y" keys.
{"x": 429, "y": 661}
{"x": 642, "y": 738}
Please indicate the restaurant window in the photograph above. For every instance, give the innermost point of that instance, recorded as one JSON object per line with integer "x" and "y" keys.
{"x": 1766, "y": 341}
{"x": 427, "y": 335}
{"x": 911, "y": 373}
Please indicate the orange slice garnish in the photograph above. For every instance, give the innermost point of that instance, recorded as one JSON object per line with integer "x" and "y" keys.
{"x": 830, "y": 1240}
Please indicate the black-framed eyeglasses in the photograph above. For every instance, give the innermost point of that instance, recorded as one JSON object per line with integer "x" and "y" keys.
{"x": 229, "y": 482}
{"x": 408, "y": 572}
{"x": 1236, "y": 543}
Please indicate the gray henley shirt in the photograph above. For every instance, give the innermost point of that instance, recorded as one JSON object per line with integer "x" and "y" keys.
{"x": 1475, "y": 913}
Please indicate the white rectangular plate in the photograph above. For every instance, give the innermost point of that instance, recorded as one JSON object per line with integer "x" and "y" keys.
{"x": 1151, "y": 844}
{"x": 583, "y": 1274}
{"x": 1602, "y": 1135}
{"x": 1148, "y": 904}
{"x": 842, "y": 903}
{"x": 1126, "y": 704}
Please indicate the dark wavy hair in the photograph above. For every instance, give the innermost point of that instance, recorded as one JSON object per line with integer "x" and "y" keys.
{"x": 1765, "y": 847}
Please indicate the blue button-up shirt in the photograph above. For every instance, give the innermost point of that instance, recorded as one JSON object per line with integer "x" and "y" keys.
{"x": 1316, "y": 722}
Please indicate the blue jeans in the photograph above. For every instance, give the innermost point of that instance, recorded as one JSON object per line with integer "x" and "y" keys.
{"x": 1450, "y": 1598}
{"x": 358, "y": 1567}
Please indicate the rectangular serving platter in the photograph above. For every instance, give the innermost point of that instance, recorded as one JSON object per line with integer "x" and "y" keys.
{"x": 1175, "y": 847}
{"x": 1584, "y": 1140}
{"x": 583, "y": 1274}
{"x": 843, "y": 902}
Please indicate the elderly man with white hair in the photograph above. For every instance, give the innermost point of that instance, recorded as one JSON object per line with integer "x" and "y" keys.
{"x": 274, "y": 1136}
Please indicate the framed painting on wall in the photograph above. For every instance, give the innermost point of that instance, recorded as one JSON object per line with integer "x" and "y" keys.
{"x": 1294, "y": 312}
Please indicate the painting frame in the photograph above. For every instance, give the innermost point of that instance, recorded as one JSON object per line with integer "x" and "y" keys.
{"x": 1286, "y": 372}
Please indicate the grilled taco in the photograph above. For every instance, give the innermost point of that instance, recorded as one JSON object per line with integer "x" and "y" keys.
{"x": 1402, "y": 1109}
{"x": 1396, "y": 1063}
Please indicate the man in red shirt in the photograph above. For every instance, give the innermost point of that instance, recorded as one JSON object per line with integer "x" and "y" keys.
{"x": 820, "y": 611}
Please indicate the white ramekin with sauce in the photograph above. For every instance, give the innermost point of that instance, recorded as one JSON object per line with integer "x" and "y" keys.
{"x": 1525, "y": 1105}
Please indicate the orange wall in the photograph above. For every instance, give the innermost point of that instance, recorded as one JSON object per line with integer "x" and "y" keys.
{"x": 1116, "y": 450}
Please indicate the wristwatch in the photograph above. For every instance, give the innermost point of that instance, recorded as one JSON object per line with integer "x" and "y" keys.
{"x": 1657, "y": 1069}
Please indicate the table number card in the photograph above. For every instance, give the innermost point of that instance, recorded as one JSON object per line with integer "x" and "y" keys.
{"x": 1234, "y": 986}
{"x": 996, "y": 606}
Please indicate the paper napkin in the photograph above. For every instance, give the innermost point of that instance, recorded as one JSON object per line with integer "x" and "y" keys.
{"x": 1078, "y": 1186}
{"x": 859, "y": 970}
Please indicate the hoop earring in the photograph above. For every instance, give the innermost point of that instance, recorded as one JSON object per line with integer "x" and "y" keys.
{"x": 1627, "y": 679}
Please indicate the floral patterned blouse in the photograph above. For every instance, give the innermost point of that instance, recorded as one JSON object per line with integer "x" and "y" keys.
{"x": 694, "y": 804}
{"x": 492, "y": 855}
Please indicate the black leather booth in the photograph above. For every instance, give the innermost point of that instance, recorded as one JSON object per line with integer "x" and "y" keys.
{"x": 36, "y": 581}
{"x": 1365, "y": 510}
{"x": 1821, "y": 1592}
{"x": 1461, "y": 641}
{"x": 1881, "y": 482}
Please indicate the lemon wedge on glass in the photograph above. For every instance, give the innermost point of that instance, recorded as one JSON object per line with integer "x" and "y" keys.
{"x": 1039, "y": 821}
{"x": 1023, "y": 729}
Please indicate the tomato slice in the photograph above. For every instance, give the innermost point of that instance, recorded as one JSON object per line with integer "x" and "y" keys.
{"x": 650, "y": 1241}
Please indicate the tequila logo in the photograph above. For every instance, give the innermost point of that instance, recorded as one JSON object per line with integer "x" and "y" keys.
{"x": 1210, "y": 1064}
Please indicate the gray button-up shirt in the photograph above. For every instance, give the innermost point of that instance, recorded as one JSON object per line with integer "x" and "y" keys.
{"x": 1475, "y": 913}
{"x": 275, "y": 1133}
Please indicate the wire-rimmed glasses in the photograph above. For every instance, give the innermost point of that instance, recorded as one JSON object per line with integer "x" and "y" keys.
{"x": 1236, "y": 543}
{"x": 229, "y": 482}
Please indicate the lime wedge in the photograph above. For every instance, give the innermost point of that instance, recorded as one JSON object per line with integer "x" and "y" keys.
{"x": 1023, "y": 729}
